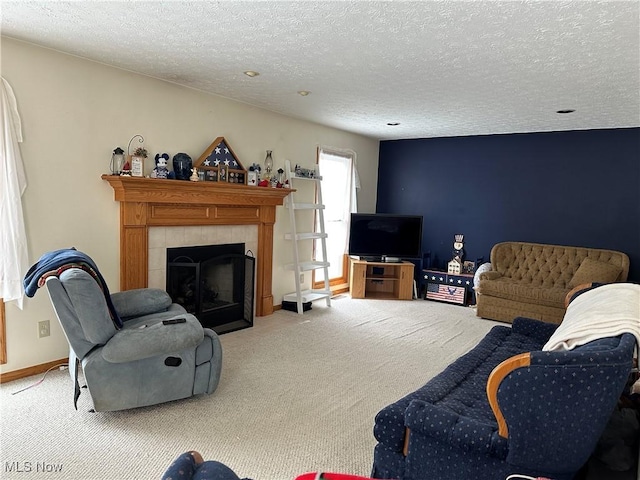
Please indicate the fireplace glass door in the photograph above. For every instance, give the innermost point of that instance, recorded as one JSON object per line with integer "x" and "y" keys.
{"x": 217, "y": 289}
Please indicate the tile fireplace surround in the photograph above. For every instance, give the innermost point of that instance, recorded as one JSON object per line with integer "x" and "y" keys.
{"x": 161, "y": 238}
{"x": 188, "y": 213}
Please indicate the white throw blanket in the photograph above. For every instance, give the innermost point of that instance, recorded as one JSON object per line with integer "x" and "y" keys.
{"x": 606, "y": 311}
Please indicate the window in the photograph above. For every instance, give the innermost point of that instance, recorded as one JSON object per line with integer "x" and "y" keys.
{"x": 339, "y": 183}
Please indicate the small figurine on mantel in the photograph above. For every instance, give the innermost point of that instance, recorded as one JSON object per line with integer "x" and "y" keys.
{"x": 454, "y": 267}
{"x": 194, "y": 175}
{"x": 126, "y": 169}
{"x": 253, "y": 174}
{"x": 161, "y": 170}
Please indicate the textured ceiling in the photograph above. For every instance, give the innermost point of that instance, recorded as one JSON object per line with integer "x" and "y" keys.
{"x": 438, "y": 68}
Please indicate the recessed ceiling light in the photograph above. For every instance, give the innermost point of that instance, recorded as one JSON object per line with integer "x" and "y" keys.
{"x": 566, "y": 110}
{"x": 393, "y": 124}
{"x": 251, "y": 73}
{"x": 304, "y": 93}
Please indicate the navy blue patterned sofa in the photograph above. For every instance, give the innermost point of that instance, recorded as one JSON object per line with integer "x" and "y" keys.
{"x": 507, "y": 407}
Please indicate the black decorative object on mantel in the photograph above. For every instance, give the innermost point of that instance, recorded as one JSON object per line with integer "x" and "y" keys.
{"x": 182, "y": 165}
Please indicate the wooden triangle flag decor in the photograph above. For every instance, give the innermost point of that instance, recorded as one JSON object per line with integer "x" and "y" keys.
{"x": 219, "y": 163}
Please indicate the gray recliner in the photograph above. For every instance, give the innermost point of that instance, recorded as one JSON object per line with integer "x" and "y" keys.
{"x": 146, "y": 361}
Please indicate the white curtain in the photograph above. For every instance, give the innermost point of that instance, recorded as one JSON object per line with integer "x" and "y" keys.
{"x": 354, "y": 186}
{"x": 338, "y": 168}
{"x": 13, "y": 182}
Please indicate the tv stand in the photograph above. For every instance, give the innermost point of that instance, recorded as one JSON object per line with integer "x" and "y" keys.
{"x": 391, "y": 281}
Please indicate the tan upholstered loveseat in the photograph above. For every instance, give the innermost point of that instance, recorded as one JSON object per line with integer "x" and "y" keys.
{"x": 531, "y": 280}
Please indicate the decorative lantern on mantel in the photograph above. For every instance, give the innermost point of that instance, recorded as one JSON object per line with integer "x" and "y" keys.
{"x": 117, "y": 160}
{"x": 268, "y": 164}
{"x": 220, "y": 164}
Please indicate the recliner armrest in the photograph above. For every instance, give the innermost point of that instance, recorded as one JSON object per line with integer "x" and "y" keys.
{"x": 130, "y": 344}
{"x": 140, "y": 301}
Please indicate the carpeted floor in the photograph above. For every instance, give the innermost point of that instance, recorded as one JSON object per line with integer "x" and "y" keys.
{"x": 298, "y": 393}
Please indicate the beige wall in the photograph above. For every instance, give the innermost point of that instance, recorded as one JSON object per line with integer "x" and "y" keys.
{"x": 75, "y": 112}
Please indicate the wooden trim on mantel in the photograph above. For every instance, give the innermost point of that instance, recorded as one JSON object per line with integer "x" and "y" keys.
{"x": 152, "y": 202}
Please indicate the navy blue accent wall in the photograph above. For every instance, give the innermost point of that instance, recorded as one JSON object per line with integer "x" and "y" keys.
{"x": 577, "y": 188}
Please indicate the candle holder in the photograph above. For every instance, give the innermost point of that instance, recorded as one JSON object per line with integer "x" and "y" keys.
{"x": 268, "y": 164}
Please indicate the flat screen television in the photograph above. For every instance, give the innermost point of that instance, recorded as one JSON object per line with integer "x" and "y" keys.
{"x": 380, "y": 236}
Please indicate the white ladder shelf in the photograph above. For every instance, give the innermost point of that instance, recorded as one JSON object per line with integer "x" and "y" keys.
{"x": 299, "y": 266}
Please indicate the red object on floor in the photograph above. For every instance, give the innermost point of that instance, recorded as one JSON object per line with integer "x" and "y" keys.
{"x": 330, "y": 476}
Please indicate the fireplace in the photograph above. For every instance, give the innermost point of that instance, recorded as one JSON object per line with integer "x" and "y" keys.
{"x": 150, "y": 203}
{"x": 214, "y": 283}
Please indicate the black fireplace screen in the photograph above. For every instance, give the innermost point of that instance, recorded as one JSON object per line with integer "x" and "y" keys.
{"x": 214, "y": 283}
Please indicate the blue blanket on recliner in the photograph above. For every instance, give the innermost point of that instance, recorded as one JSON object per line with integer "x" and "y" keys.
{"x": 56, "y": 259}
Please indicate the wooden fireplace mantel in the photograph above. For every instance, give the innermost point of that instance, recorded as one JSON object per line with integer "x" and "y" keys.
{"x": 152, "y": 202}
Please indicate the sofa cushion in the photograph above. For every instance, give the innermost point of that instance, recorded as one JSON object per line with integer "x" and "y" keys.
{"x": 591, "y": 270}
{"x": 519, "y": 291}
{"x": 461, "y": 387}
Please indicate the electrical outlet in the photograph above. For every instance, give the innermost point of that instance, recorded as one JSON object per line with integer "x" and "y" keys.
{"x": 44, "y": 329}
{"x": 302, "y": 278}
